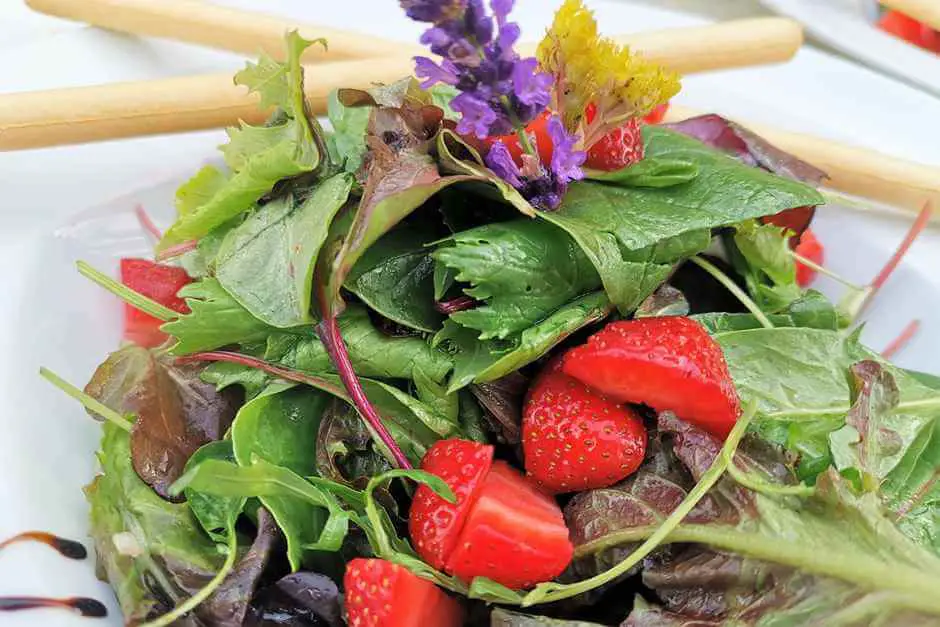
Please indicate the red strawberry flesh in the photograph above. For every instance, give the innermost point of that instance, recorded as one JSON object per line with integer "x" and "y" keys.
{"x": 515, "y": 534}
{"x": 669, "y": 363}
{"x": 157, "y": 282}
{"x": 382, "y": 594}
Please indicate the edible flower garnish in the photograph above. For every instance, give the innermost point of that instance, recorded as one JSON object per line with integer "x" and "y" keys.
{"x": 500, "y": 92}
{"x": 592, "y": 70}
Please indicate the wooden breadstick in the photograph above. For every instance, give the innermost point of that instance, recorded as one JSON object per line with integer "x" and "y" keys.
{"x": 196, "y": 22}
{"x": 853, "y": 170}
{"x": 68, "y": 116}
{"x": 924, "y": 11}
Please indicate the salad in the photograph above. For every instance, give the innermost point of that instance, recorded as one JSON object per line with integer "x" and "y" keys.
{"x": 500, "y": 349}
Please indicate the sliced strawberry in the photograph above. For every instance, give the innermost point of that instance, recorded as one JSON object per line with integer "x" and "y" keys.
{"x": 433, "y": 523}
{"x": 669, "y": 363}
{"x": 157, "y": 282}
{"x": 810, "y": 248}
{"x": 537, "y": 130}
{"x": 382, "y": 594}
{"x": 577, "y": 439}
{"x": 515, "y": 534}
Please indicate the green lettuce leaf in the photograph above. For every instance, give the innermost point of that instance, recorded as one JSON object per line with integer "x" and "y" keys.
{"x": 266, "y": 263}
{"x": 522, "y": 270}
{"x": 259, "y": 157}
{"x": 144, "y": 544}
{"x": 768, "y": 267}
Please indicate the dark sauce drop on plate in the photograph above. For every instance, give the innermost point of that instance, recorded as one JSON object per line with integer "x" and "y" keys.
{"x": 84, "y": 606}
{"x": 70, "y": 549}
{"x": 65, "y": 547}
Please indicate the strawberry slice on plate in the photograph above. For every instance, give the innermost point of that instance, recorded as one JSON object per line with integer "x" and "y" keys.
{"x": 501, "y": 526}
{"x": 576, "y": 439}
{"x": 157, "y": 282}
{"x": 379, "y": 593}
{"x": 810, "y": 248}
{"x": 669, "y": 363}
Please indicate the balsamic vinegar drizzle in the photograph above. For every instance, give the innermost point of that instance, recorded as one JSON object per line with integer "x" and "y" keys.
{"x": 67, "y": 548}
{"x": 84, "y": 606}
{"x": 70, "y": 549}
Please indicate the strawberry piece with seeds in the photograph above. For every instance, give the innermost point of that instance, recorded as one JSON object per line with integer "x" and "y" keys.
{"x": 157, "y": 282}
{"x": 669, "y": 363}
{"x": 577, "y": 439}
{"x": 433, "y": 523}
{"x": 618, "y": 149}
{"x": 379, "y": 593}
{"x": 515, "y": 534}
{"x": 501, "y": 527}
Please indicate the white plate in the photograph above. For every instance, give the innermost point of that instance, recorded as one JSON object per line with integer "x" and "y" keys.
{"x": 842, "y": 25}
{"x": 53, "y": 317}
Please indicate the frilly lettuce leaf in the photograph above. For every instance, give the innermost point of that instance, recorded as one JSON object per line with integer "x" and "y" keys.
{"x": 258, "y": 157}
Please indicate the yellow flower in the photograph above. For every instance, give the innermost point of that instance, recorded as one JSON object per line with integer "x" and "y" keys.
{"x": 590, "y": 69}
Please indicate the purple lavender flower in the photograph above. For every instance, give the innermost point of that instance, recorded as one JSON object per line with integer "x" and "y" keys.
{"x": 566, "y": 161}
{"x": 500, "y": 161}
{"x": 433, "y": 73}
{"x": 499, "y": 91}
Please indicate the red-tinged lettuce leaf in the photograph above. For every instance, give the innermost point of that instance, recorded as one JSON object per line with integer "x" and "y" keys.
{"x": 771, "y": 551}
{"x": 754, "y": 150}
{"x": 302, "y": 599}
{"x": 748, "y": 146}
{"x": 666, "y": 301}
{"x": 176, "y": 411}
{"x": 502, "y": 404}
{"x": 345, "y": 452}
{"x": 894, "y": 453}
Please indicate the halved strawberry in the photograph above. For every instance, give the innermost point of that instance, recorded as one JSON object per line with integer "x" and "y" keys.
{"x": 433, "y": 523}
{"x": 576, "y": 439}
{"x": 658, "y": 114}
{"x": 515, "y": 534}
{"x": 910, "y": 30}
{"x": 669, "y": 363}
{"x": 618, "y": 149}
{"x": 155, "y": 281}
{"x": 810, "y": 248}
{"x": 502, "y": 526}
{"x": 379, "y": 593}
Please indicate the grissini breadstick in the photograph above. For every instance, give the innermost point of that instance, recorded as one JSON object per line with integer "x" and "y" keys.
{"x": 196, "y": 22}
{"x": 854, "y": 170}
{"x": 68, "y": 116}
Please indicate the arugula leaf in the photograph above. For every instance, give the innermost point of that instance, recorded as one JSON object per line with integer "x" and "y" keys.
{"x": 259, "y": 157}
{"x": 216, "y": 514}
{"x": 287, "y": 234}
{"x": 373, "y": 354}
{"x": 395, "y": 277}
{"x": 515, "y": 268}
{"x": 142, "y": 541}
{"x": 215, "y": 320}
{"x": 280, "y": 427}
{"x": 477, "y": 361}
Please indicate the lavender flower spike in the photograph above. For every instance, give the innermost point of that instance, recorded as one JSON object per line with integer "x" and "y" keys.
{"x": 566, "y": 162}
{"x": 433, "y": 73}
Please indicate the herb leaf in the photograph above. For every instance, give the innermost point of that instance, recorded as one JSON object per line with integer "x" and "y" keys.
{"x": 477, "y": 361}
{"x": 515, "y": 268}
{"x": 215, "y": 320}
